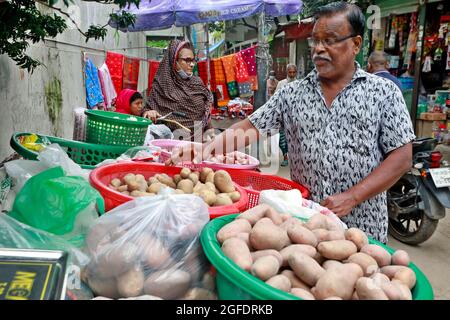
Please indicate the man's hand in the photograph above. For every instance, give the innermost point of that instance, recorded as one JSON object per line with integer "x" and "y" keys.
{"x": 152, "y": 115}
{"x": 341, "y": 204}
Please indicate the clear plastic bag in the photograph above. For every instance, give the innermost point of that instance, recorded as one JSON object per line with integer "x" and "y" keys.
{"x": 157, "y": 131}
{"x": 148, "y": 154}
{"x": 148, "y": 246}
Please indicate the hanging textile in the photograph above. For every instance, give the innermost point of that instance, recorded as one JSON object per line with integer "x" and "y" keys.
{"x": 230, "y": 76}
{"x": 152, "y": 69}
{"x": 93, "y": 90}
{"x": 242, "y": 77}
{"x": 130, "y": 73}
{"x": 202, "y": 68}
{"x": 114, "y": 61}
{"x": 220, "y": 83}
{"x": 249, "y": 56}
{"x": 108, "y": 90}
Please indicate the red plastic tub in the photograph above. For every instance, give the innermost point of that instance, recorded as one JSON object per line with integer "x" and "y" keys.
{"x": 254, "y": 182}
{"x": 101, "y": 177}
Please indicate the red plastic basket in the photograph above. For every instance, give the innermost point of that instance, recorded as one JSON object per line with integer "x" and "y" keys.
{"x": 101, "y": 177}
{"x": 254, "y": 182}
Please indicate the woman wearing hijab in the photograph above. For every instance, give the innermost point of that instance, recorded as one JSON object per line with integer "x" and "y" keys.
{"x": 175, "y": 88}
{"x": 129, "y": 102}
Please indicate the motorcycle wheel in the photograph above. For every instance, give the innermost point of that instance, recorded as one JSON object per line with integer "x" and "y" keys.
{"x": 414, "y": 229}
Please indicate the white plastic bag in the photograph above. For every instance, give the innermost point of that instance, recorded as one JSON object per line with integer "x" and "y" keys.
{"x": 22, "y": 170}
{"x": 148, "y": 246}
{"x": 147, "y": 154}
{"x": 53, "y": 156}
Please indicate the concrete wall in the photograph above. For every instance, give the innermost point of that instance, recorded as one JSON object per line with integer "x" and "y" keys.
{"x": 23, "y": 103}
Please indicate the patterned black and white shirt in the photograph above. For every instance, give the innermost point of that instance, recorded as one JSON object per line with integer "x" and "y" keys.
{"x": 332, "y": 149}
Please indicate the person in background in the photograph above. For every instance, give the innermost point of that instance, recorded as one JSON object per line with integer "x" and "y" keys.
{"x": 378, "y": 65}
{"x": 176, "y": 88}
{"x": 129, "y": 102}
{"x": 291, "y": 76}
{"x": 272, "y": 84}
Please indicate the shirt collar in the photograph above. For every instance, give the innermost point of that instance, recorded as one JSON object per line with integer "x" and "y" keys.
{"x": 359, "y": 74}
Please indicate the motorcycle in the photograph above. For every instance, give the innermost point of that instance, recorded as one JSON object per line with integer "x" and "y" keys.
{"x": 418, "y": 200}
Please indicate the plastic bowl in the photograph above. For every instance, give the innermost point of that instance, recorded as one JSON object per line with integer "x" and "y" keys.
{"x": 233, "y": 283}
{"x": 102, "y": 176}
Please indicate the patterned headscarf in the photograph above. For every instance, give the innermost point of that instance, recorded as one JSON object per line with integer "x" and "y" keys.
{"x": 172, "y": 93}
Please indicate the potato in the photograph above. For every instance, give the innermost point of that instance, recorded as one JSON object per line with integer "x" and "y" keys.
{"x": 223, "y": 182}
{"x": 358, "y": 237}
{"x": 154, "y": 253}
{"x": 137, "y": 193}
{"x": 303, "y": 294}
{"x": 208, "y": 196}
{"x": 265, "y": 267}
{"x": 406, "y": 276}
{"x": 155, "y": 187}
{"x": 209, "y": 282}
{"x": 222, "y": 199}
{"x": 131, "y": 283}
{"x": 127, "y": 193}
{"x": 355, "y": 296}
{"x": 164, "y": 179}
{"x": 368, "y": 290}
{"x": 331, "y": 264}
{"x": 380, "y": 254}
{"x": 321, "y": 221}
{"x": 380, "y": 278}
{"x": 178, "y": 191}
{"x": 302, "y": 248}
{"x": 305, "y": 268}
{"x": 152, "y": 180}
{"x": 390, "y": 271}
{"x": 204, "y": 174}
{"x": 401, "y": 258}
{"x": 198, "y": 187}
{"x": 301, "y": 235}
{"x": 270, "y": 252}
{"x": 235, "y": 196}
{"x": 194, "y": 178}
{"x": 290, "y": 221}
{"x": 116, "y": 183}
{"x": 118, "y": 259}
{"x": 337, "y": 249}
{"x": 392, "y": 291}
{"x": 255, "y": 214}
{"x": 185, "y": 172}
{"x": 319, "y": 258}
{"x": 177, "y": 178}
{"x": 333, "y": 298}
{"x": 122, "y": 188}
{"x": 233, "y": 228}
{"x": 295, "y": 281}
{"x": 199, "y": 294}
{"x": 238, "y": 252}
{"x": 325, "y": 235}
{"x": 266, "y": 235}
{"x": 280, "y": 282}
{"x": 168, "y": 284}
{"x": 186, "y": 185}
{"x": 366, "y": 262}
{"x": 405, "y": 293}
{"x": 210, "y": 177}
{"x": 210, "y": 186}
{"x": 338, "y": 281}
{"x": 99, "y": 235}
{"x": 106, "y": 287}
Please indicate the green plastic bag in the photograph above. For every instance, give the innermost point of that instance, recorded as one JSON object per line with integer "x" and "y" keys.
{"x": 59, "y": 204}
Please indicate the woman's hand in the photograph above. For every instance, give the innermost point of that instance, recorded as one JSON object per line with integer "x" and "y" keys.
{"x": 152, "y": 115}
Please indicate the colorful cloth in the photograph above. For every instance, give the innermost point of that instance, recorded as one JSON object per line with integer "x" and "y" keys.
{"x": 202, "y": 68}
{"x": 242, "y": 77}
{"x": 108, "y": 90}
{"x": 172, "y": 93}
{"x": 219, "y": 84}
{"x": 152, "y": 70}
{"x": 229, "y": 63}
{"x": 249, "y": 56}
{"x": 123, "y": 101}
{"x": 114, "y": 61}
{"x": 93, "y": 90}
{"x": 130, "y": 73}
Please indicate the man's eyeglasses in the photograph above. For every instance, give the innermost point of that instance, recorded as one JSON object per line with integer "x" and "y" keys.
{"x": 189, "y": 60}
{"x": 329, "y": 42}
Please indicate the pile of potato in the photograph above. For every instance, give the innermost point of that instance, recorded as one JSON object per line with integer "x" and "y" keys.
{"x": 215, "y": 188}
{"x": 317, "y": 260}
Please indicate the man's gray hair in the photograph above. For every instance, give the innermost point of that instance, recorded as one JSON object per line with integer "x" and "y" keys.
{"x": 290, "y": 66}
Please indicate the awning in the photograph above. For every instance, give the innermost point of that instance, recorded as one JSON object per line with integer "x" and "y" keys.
{"x": 298, "y": 31}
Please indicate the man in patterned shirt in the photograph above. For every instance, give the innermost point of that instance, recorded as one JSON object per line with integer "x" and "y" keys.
{"x": 348, "y": 131}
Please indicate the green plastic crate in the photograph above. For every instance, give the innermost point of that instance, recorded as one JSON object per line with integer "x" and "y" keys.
{"x": 112, "y": 128}
{"x": 87, "y": 155}
{"x": 233, "y": 283}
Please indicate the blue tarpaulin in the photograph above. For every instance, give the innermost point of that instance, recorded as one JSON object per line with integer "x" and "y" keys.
{"x": 163, "y": 14}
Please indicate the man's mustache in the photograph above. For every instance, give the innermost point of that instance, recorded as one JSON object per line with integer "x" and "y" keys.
{"x": 318, "y": 57}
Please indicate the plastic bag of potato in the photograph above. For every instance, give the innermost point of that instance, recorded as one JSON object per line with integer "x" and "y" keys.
{"x": 149, "y": 246}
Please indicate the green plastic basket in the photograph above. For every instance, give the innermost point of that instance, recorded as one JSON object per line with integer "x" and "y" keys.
{"x": 87, "y": 155}
{"x": 112, "y": 128}
{"x": 233, "y": 283}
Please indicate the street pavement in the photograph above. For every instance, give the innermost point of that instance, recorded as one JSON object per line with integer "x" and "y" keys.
{"x": 431, "y": 257}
